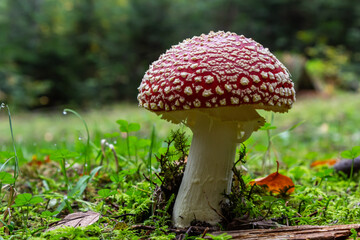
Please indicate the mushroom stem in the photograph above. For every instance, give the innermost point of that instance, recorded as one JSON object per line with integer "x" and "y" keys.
{"x": 208, "y": 172}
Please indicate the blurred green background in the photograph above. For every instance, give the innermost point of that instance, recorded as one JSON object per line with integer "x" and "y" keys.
{"x": 94, "y": 52}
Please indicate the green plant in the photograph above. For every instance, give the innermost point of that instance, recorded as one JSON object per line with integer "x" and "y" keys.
{"x": 270, "y": 138}
{"x": 351, "y": 154}
{"x": 6, "y": 177}
{"x": 74, "y": 193}
{"x": 127, "y": 127}
{"x": 62, "y": 155}
{"x": 223, "y": 236}
{"x": 172, "y": 159}
{"x": 354, "y": 234}
{"x": 26, "y": 201}
{"x": 87, "y": 163}
{"x": 104, "y": 194}
{"x": 47, "y": 215}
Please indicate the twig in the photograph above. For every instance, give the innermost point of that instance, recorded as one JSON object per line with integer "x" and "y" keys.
{"x": 12, "y": 195}
{"x": 204, "y": 233}
{"x": 157, "y": 175}
{"x": 316, "y": 212}
{"x": 149, "y": 180}
{"x": 123, "y": 215}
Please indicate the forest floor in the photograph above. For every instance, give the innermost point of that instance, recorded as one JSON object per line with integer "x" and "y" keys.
{"x": 96, "y": 172}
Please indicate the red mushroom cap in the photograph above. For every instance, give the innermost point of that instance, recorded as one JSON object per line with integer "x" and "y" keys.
{"x": 216, "y": 70}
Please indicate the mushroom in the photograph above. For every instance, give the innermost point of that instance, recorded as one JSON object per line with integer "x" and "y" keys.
{"x": 214, "y": 83}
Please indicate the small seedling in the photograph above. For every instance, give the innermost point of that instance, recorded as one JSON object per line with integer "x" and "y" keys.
{"x": 74, "y": 193}
{"x": 351, "y": 154}
{"x": 127, "y": 127}
{"x": 223, "y": 236}
{"x": 26, "y": 200}
{"x": 354, "y": 234}
{"x": 47, "y": 215}
{"x": 104, "y": 194}
{"x": 62, "y": 155}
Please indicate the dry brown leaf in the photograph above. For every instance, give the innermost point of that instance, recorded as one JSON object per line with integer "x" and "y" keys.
{"x": 328, "y": 162}
{"x": 78, "y": 219}
{"x": 276, "y": 183}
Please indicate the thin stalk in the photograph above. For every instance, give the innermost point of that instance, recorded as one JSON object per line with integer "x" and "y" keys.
{"x": 12, "y": 193}
{"x": 63, "y": 170}
{"x": 352, "y": 169}
{"x": 115, "y": 157}
{"x": 128, "y": 145}
{"x": 267, "y": 155}
{"x": 150, "y": 152}
{"x": 149, "y": 158}
{"x": 87, "y": 166}
{"x": 16, "y": 160}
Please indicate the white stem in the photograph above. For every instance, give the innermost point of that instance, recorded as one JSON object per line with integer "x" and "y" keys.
{"x": 208, "y": 172}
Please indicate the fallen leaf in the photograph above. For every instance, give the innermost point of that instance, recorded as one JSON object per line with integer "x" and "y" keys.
{"x": 37, "y": 162}
{"x": 328, "y": 162}
{"x": 34, "y": 161}
{"x": 78, "y": 219}
{"x": 276, "y": 183}
{"x": 47, "y": 159}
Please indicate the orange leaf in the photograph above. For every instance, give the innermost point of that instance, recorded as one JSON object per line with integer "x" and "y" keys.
{"x": 35, "y": 162}
{"x": 276, "y": 183}
{"x": 47, "y": 159}
{"x": 328, "y": 162}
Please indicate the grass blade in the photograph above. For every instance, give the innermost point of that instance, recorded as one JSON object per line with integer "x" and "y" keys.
{"x": 151, "y": 151}
{"x": 16, "y": 165}
{"x": 87, "y": 166}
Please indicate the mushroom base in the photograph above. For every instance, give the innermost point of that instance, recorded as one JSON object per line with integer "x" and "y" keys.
{"x": 208, "y": 172}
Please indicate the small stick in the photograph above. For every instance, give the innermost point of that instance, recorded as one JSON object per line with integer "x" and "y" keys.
{"x": 205, "y": 232}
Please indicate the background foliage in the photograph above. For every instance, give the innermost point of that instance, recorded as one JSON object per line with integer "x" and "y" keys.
{"x": 88, "y": 52}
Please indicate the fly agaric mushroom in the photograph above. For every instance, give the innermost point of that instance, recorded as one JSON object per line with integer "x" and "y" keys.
{"x": 214, "y": 83}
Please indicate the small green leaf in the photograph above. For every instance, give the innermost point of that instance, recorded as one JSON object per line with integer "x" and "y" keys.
{"x": 347, "y": 154}
{"x": 351, "y": 154}
{"x": 47, "y": 213}
{"x": 325, "y": 173}
{"x": 111, "y": 135}
{"x": 268, "y": 126}
{"x": 63, "y": 154}
{"x": 22, "y": 199}
{"x": 36, "y": 200}
{"x": 115, "y": 178}
{"x": 105, "y": 193}
{"x": 142, "y": 143}
{"x": 356, "y": 151}
{"x": 299, "y": 172}
{"x": 133, "y": 127}
{"x": 296, "y": 125}
{"x": 6, "y": 178}
{"x": 133, "y": 140}
{"x": 79, "y": 187}
{"x": 124, "y": 125}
